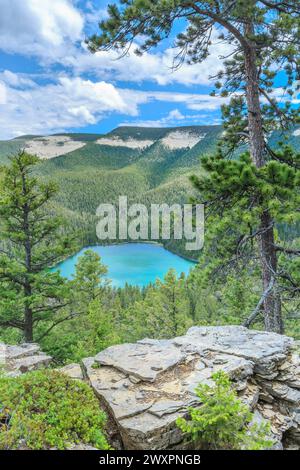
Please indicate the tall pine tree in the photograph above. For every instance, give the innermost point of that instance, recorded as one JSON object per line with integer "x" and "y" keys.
{"x": 30, "y": 243}
{"x": 264, "y": 37}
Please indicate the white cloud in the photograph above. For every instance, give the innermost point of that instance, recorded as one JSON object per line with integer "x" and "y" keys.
{"x": 176, "y": 115}
{"x": 16, "y": 80}
{"x": 45, "y": 28}
{"x": 53, "y": 30}
{"x": 94, "y": 14}
{"x": 193, "y": 101}
{"x": 3, "y": 94}
{"x": 149, "y": 67}
{"x": 71, "y": 102}
{"x": 172, "y": 119}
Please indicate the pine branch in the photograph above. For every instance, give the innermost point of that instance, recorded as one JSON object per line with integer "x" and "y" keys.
{"x": 282, "y": 7}
{"x": 288, "y": 251}
{"x": 220, "y": 19}
{"x": 12, "y": 324}
{"x": 58, "y": 322}
{"x": 256, "y": 311}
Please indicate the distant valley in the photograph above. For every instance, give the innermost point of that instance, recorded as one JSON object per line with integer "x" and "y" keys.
{"x": 149, "y": 165}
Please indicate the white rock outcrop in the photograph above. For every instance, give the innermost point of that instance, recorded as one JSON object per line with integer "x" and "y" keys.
{"x": 129, "y": 143}
{"x": 182, "y": 139}
{"x": 146, "y": 386}
{"x": 52, "y": 146}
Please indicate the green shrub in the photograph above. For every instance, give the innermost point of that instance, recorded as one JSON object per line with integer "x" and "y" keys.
{"x": 223, "y": 421}
{"x": 46, "y": 409}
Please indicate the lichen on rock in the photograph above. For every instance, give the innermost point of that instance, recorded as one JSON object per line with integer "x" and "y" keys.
{"x": 146, "y": 386}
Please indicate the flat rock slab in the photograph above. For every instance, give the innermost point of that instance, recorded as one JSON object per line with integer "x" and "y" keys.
{"x": 254, "y": 345}
{"x": 20, "y": 351}
{"x": 17, "y": 360}
{"x": 73, "y": 371}
{"x": 146, "y": 386}
{"x": 145, "y": 361}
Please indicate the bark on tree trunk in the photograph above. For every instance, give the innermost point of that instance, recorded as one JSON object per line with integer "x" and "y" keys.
{"x": 272, "y": 302}
{"x": 28, "y": 326}
{"x": 28, "y": 323}
{"x": 28, "y": 314}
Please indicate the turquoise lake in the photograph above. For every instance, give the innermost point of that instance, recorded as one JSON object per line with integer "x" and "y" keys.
{"x": 136, "y": 264}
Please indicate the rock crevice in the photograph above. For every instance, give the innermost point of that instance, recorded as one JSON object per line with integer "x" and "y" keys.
{"x": 17, "y": 360}
{"x": 146, "y": 386}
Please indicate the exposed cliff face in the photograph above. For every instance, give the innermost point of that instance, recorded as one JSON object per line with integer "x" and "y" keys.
{"x": 146, "y": 386}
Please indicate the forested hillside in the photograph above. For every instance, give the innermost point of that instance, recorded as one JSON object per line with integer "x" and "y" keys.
{"x": 148, "y": 165}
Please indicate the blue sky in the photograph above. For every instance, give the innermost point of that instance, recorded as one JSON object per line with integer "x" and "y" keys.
{"x": 50, "y": 83}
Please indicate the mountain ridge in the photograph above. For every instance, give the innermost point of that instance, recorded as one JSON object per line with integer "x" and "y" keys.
{"x": 90, "y": 174}
{"x": 119, "y": 130}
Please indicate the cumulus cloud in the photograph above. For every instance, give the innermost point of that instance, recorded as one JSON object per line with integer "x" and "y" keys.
{"x": 173, "y": 118}
{"x": 55, "y": 107}
{"x": 156, "y": 67}
{"x": 52, "y": 101}
{"x": 93, "y": 14}
{"x": 16, "y": 80}
{"x": 30, "y": 108}
{"x": 2, "y": 93}
{"x": 53, "y": 30}
{"x": 56, "y": 101}
{"x": 44, "y": 28}
{"x": 193, "y": 101}
{"x": 176, "y": 118}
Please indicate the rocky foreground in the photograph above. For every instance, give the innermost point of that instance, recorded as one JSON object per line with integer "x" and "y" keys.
{"x": 146, "y": 386}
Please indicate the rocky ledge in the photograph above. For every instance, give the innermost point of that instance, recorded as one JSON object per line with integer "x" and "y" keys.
{"x": 16, "y": 360}
{"x": 146, "y": 386}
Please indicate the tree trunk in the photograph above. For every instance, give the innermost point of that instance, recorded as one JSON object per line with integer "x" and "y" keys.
{"x": 28, "y": 325}
{"x": 28, "y": 315}
{"x": 272, "y": 303}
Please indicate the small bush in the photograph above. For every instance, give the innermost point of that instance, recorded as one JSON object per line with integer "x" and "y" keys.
{"x": 46, "y": 409}
{"x": 223, "y": 421}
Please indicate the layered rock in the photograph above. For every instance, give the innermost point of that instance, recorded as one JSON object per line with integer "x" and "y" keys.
{"x": 73, "y": 371}
{"x": 16, "y": 360}
{"x": 146, "y": 386}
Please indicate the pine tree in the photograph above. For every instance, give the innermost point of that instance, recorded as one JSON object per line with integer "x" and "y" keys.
{"x": 237, "y": 194}
{"x": 29, "y": 293}
{"x": 264, "y": 37}
{"x": 89, "y": 277}
{"x": 176, "y": 306}
{"x": 163, "y": 313}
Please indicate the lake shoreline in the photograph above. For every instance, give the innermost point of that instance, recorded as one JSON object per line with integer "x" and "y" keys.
{"x": 134, "y": 263}
{"x": 151, "y": 242}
